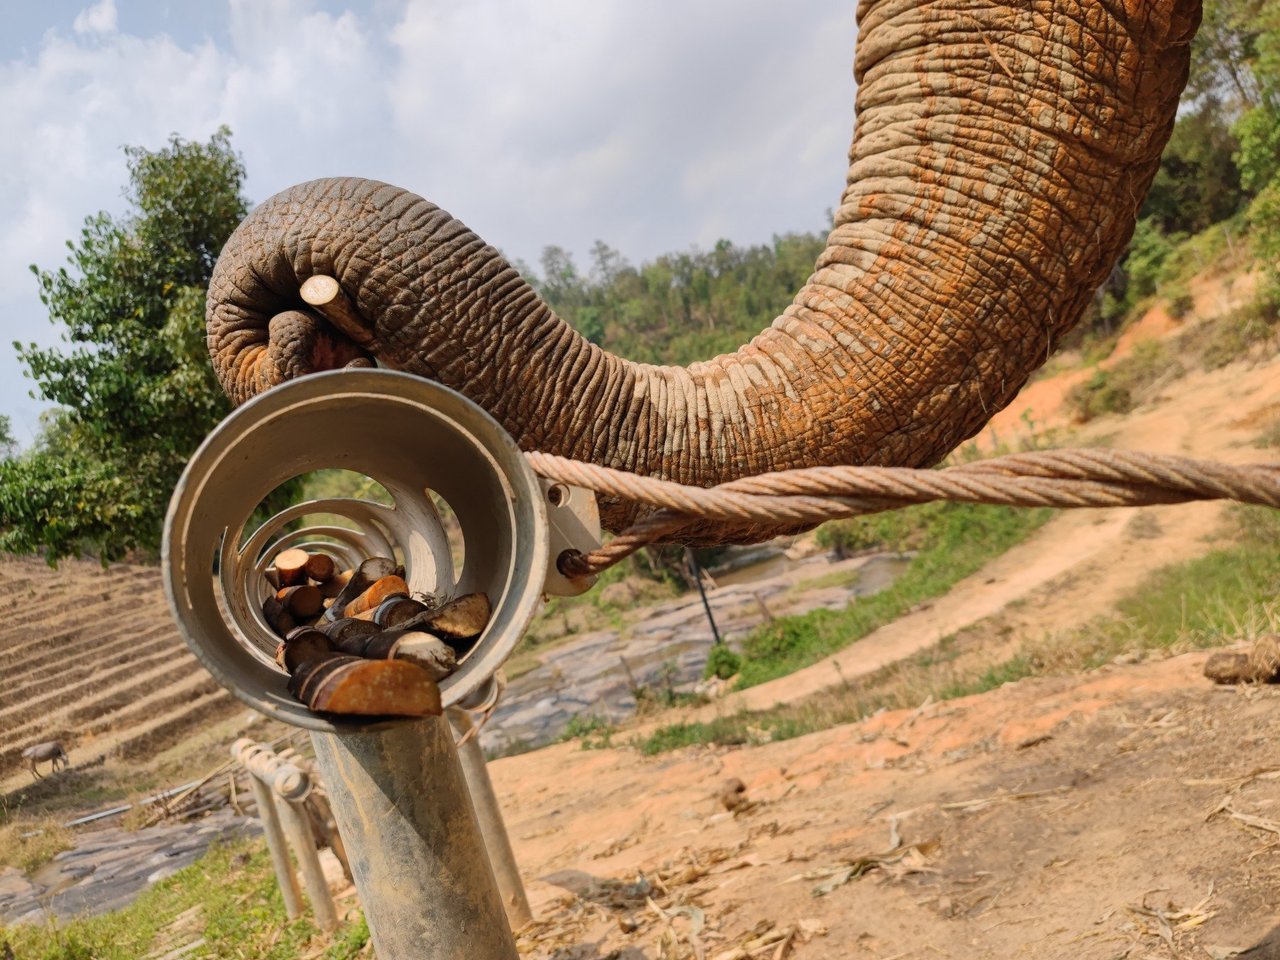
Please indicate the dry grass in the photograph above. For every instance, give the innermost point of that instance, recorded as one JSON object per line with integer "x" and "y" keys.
{"x": 28, "y": 842}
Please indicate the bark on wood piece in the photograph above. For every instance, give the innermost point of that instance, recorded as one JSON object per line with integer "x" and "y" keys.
{"x": 278, "y": 616}
{"x": 336, "y": 584}
{"x": 304, "y": 601}
{"x": 303, "y": 645}
{"x": 350, "y": 630}
{"x": 395, "y": 611}
{"x": 325, "y": 294}
{"x": 273, "y": 577}
{"x": 382, "y": 646}
{"x": 303, "y": 681}
{"x": 459, "y": 619}
{"x": 366, "y": 575}
{"x": 394, "y": 688}
{"x": 321, "y": 567}
{"x": 427, "y": 651}
{"x": 291, "y": 566}
{"x": 381, "y": 590}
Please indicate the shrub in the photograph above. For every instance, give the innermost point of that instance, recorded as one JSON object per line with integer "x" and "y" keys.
{"x": 722, "y": 662}
{"x": 596, "y": 732}
{"x": 1232, "y": 336}
{"x": 1181, "y": 303}
{"x": 1120, "y": 388}
{"x": 1098, "y": 395}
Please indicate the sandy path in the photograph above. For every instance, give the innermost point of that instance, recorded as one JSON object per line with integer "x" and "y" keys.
{"x": 1076, "y": 566}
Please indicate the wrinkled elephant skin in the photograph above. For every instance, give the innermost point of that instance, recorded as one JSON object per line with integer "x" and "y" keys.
{"x": 1001, "y": 154}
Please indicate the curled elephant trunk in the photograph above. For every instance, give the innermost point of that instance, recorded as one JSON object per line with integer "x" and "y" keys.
{"x": 1001, "y": 154}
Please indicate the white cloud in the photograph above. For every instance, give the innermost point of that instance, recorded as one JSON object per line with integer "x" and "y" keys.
{"x": 652, "y": 126}
{"x": 100, "y": 18}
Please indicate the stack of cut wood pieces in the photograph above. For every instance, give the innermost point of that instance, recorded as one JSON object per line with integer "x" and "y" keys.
{"x": 357, "y": 642}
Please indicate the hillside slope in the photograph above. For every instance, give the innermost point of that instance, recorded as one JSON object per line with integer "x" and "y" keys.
{"x": 91, "y": 657}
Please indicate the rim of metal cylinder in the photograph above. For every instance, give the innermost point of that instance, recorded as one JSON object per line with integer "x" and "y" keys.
{"x": 409, "y": 435}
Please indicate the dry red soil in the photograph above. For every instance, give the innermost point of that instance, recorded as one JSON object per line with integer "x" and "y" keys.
{"x": 1131, "y": 812}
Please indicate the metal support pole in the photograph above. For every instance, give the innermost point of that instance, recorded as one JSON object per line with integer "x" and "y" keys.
{"x": 489, "y": 814}
{"x": 275, "y": 839}
{"x": 292, "y": 785}
{"x": 702, "y": 592}
{"x": 419, "y": 859}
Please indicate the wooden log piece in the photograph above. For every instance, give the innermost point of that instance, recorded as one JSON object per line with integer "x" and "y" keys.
{"x": 278, "y": 617}
{"x": 366, "y": 575}
{"x": 303, "y": 681}
{"x": 335, "y": 584}
{"x": 394, "y": 688}
{"x": 381, "y": 590}
{"x": 326, "y": 295}
{"x": 304, "y": 601}
{"x": 302, "y": 645}
{"x": 321, "y": 567}
{"x": 397, "y": 610}
{"x": 381, "y": 646}
{"x": 350, "y": 634}
{"x": 427, "y": 651}
{"x": 291, "y": 567}
{"x": 273, "y": 577}
{"x": 459, "y": 619}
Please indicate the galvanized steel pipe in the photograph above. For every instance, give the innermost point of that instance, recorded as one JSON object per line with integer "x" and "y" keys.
{"x": 489, "y": 815}
{"x": 419, "y": 860}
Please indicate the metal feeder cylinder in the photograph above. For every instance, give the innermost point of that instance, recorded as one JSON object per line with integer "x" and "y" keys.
{"x": 396, "y": 785}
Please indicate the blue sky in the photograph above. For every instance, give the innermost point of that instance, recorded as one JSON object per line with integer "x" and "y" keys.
{"x": 654, "y": 125}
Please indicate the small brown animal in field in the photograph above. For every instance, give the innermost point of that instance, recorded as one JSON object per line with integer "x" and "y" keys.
{"x": 50, "y": 750}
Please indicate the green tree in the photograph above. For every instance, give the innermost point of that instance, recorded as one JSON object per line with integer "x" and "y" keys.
{"x": 680, "y": 307}
{"x": 1259, "y": 133}
{"x": 1198, "y": 183}
{"x": 8, "y": 445}
{"x": 134, "y": 389}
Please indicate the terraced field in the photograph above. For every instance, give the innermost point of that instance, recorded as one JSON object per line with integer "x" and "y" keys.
{"x": 91, "y": 657}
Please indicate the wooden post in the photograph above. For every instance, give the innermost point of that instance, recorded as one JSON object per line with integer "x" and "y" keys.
{"x": 292, "y": 785}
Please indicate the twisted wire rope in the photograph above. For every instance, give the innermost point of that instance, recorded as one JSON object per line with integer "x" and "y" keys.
{"x": 1070, "y": 479}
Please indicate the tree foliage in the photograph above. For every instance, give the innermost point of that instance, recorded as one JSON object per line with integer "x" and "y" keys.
{"x": 134, "y": 388}
{"x": 680, "y": 307}
{"x": 1221, "y": 163}
{"x": 1259, "y": 134}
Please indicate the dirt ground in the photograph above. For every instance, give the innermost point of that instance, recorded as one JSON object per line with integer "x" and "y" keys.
{"x": 1127, "y": 813}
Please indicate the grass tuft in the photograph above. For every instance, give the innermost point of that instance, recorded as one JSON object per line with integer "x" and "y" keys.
{"x": 29, "y": 843}
{"x": 240, "y": 914}
{"x": 1121, "y": 387}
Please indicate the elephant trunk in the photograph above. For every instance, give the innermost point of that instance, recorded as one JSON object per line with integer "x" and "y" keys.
{"x": 1000, "y": 158}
